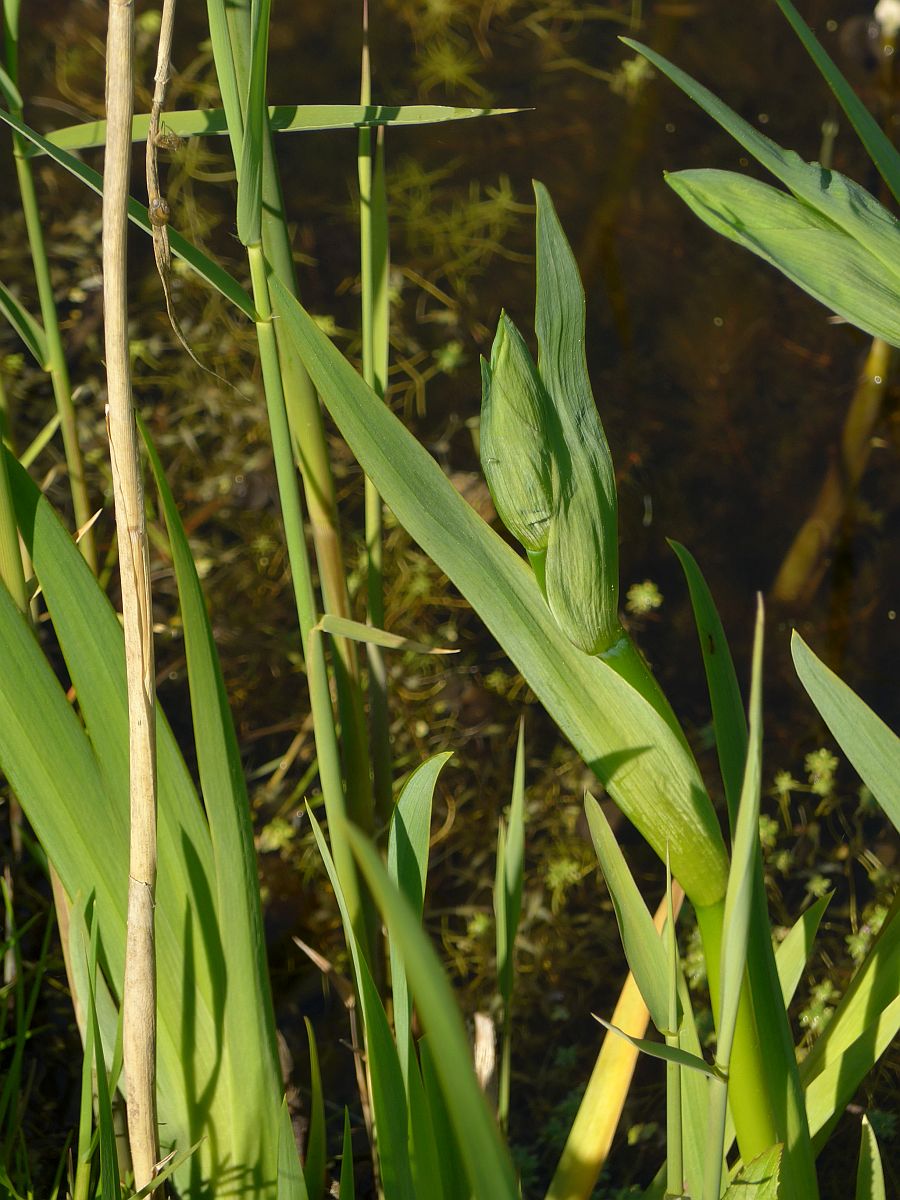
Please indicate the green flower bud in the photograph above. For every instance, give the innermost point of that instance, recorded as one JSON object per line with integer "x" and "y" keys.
{"x": 545, "y": 455}
{"x": 515, "y": 444}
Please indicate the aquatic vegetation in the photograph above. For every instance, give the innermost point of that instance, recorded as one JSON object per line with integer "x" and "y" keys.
{"x": 435, "y": 1127}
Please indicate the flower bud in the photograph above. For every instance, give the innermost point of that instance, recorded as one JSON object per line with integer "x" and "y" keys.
{"x": 516, "y": 416}
{"x": 545, "y": 455}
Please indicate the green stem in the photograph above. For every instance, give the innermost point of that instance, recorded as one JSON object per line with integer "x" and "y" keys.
{"x": 749, "y": 1091}
{"x": 288, "y": 490}
{"x": 56, "y": 364}
{"x": 374, "y": 256}
{"x": 304, "y": 413}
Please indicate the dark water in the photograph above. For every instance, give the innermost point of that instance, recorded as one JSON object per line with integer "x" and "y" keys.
{"x": 722, "y": 388}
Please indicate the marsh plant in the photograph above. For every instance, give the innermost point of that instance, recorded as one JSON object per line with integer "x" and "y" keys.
{"x": 206, "y": 1102}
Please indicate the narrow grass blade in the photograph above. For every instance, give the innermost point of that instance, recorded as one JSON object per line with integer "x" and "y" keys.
{"x": 343, "y": 627}
{"x": 872, "y": 748}
{"x": 291, "y": 1183}
{"x": 736, "y": 926}
{"x": 870, "y": 1173}
{"x": 201, "y": 264}
{"x": 407, "y": 864}
{"x": 388, "y": 1093}
{"x": 314, "y": 1167}
{"x": 249, "y": 198}
{"x": 729, "y": 721}
{"x": 644, "y": 764}
{"x": 109, "y": 1166}
{"x": 878, "y": 146}
{"x": 348, "y": 1189}
{"x": 738, "y": 899}
{"x": 283, "y": 118}
{"x": 805, "y": 245}
{"x": 793, "y": 954}
{"x": 508, "y": 885}
{"x": 758, "y": 1180}
{"x": 488, "y": 1167}
{"x": 667, "y": 1054}
{"x": 250, "y": 1049}
{"x": 644, "y": 950}
{"x": 29, "y": 330}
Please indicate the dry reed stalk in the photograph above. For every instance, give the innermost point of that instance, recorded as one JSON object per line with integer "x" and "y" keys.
{"x": 139, "y": 994}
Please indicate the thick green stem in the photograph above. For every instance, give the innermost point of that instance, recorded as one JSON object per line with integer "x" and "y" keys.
{"x": 748, "y": 1092}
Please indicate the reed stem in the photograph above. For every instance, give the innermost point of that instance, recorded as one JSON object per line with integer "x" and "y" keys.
{"x": 139, "y": 992}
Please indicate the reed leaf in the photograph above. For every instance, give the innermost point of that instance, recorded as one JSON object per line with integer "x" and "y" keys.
{"x": 872, "y": 748}
{"x": 878, "y": 145}
{"x": 643, "y": 947}
{"x": 807, "y": 247}
{"x": 793, "y": 953}
{"x": 283, "y": 118}
{"x": 26, "y": 326}
{"x": 636, "y": 753}
{"x": 201, "y": 263}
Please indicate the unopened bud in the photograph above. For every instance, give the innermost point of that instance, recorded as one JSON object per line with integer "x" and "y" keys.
{"x": 516, "y": 416}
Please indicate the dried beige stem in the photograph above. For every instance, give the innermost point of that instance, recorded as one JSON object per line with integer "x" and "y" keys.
{"x": 139, "y": 995}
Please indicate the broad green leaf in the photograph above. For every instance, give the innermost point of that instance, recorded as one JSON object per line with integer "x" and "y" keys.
{"x": 249, "y": 197}
{"x": 828, "y": 1094}
{"x": 668, "y": 1054}
{"x": 454, "y": 1182}
{"x": 316, "y": 1152}
{"x": 838, "y": 199}
{"x": 779, "y": 1062}
{"x": 739, "y": 897}
{"x": 428, "y": 1175}
{"x": 643, "y": 947}
{"x": 388, "y": 1094}
{"x": 29, "y": 330}
{"x": 283, "y": 118}
{"x": 804, "y": 245}
{"x": 250, "y": 1052}
{"x": 204, "y": 266}
{"x": 291, "y": 1183}
{"x": 863, "y": 1025}
{"x": 488, "y": 1167}
{"x": 357, "y": 632}
{"x": 793, "y": 953}
{"x": 870, "y": 1173}
{"x": 407, "y": 864}
{"x": 729, "y": 721}
{"x": 879, "y": 147}
{"x": 758, "y": 1180}
{"x": 643, "y": 762}
{"x": 74, "y": 790}
{"x": 872, "y": 748}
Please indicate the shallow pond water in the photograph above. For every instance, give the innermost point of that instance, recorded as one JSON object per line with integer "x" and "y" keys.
{"x": 721, "y": 387}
